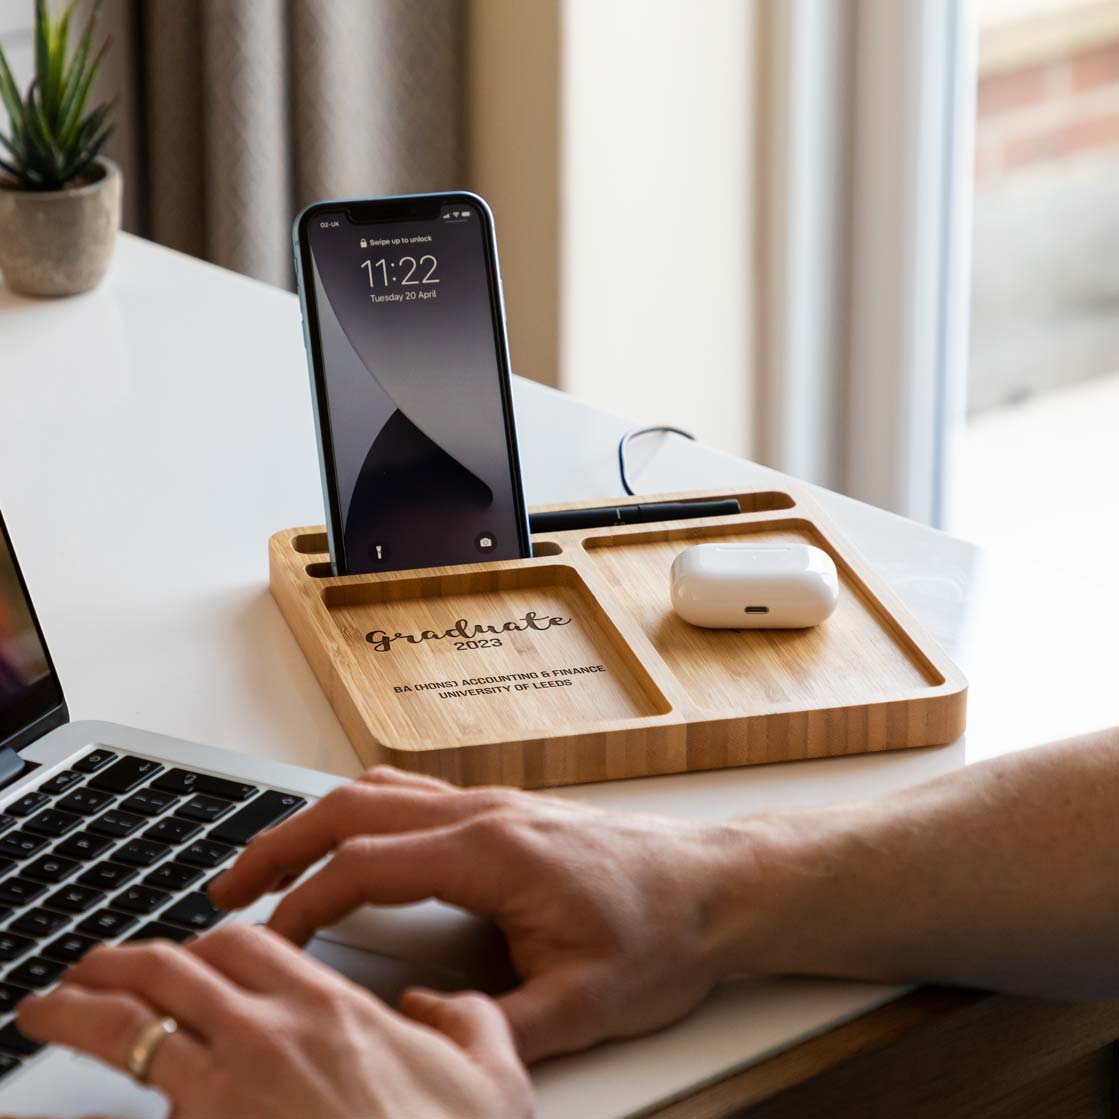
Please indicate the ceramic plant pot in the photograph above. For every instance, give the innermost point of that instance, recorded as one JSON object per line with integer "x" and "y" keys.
{"x": 59, "y": 242}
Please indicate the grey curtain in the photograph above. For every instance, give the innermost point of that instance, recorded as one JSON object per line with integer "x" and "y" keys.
{"x": 236, "y": 113}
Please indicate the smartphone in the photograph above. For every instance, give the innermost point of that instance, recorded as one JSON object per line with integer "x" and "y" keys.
{"x": 404, "y": 324}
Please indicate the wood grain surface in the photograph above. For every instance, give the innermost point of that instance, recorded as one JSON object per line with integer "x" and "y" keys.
{"x": 933, "y": 1054}
{"x": 572, "y": 667}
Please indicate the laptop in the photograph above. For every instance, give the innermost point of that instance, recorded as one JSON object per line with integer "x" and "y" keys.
{"x": 110, "y": 834}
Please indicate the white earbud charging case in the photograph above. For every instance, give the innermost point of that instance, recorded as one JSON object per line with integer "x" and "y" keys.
{"x": 754, "y": 586}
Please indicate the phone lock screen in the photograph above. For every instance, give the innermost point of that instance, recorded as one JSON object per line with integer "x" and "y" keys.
{"x": 417, "y": 440}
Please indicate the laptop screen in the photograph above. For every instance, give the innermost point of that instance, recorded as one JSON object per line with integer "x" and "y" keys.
{"x": 29, "y": 688}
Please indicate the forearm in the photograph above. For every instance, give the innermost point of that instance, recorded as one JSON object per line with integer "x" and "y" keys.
{"x": 1004, "y": 875}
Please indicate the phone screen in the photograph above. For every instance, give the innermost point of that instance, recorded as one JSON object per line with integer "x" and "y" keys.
{"x": 411, "y": 341}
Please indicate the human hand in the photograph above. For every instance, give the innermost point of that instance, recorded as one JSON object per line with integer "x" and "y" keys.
{"x": 616, "y": 924}
{"x": 266, "y": 1032}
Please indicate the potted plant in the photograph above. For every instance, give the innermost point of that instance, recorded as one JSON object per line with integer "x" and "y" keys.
{"x": 59, "y": 197}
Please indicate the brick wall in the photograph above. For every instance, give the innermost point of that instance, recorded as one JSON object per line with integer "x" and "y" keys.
{"x": 1047, "y": 110}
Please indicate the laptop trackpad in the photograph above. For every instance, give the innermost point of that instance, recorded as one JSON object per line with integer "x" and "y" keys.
{"x": 428, "y": 945}
{"x": 64, "y": 1085}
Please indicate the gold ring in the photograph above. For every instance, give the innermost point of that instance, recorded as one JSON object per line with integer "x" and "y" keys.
{"x": 147, "y": 1044}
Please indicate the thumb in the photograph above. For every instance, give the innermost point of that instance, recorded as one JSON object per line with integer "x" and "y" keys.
{"x": 559, "y": 1011}
{"x": 472, "y": 1021}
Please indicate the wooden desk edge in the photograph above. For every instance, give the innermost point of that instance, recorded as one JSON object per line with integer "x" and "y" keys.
{"x": 987, "y": 1021}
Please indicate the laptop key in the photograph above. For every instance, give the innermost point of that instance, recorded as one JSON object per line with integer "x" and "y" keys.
{"x": 69, "y": 948}
{"x": 107, "y": 923}
{"x": 205, "y": 853}
{"x": 141, "y": 852}
{"x": 204, "y": 809}
{"x": 8, "y": 1063}
{"x": 183, "y": 781}
{"x": 107, "y": 876}
{"x": 21, "y": 845}
{"x": 268, "y": 809}
{"x": 39, "y": 923}
{"x": 12, "y": 946}
{"x": 115, "y": 823}
{"x": 157, "y": 930}
{"x": 84, "y": 846}
{"x": 94, "y": 760}
{"x": 53, "y": 823}
{"x": 50, "y": 869}
{"x": 11, "y": 996}
{"x": 193, "y": 912}
{"x": 173, "y": 876}
{"x": 60, "y": 782}
{"x": 225, "y": 788}
{"x": 177, "y": 781}
{"x": 86, "y": 802}
{"x": 27, "y": 804}
{"x": 7, "y": 823}
{"x": 141, "y": 899}
{"x": 123, "y": 776}
{"x": 75, "y": 899}
{"x": 19, "y": 891}
{"x": 13, "y": 1041}
{"x": 172, "y": 830}
{"x": 149, "y": 802}
{"x": 36, "y": 972}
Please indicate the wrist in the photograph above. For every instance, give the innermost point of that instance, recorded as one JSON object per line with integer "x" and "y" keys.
{"x": 770, "y": 883}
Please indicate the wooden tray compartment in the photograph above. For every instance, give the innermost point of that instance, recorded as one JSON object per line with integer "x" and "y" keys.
{"x": 856, "y": 653}
{"x": 538, "y": 672}
{"x": 572, "y": 667}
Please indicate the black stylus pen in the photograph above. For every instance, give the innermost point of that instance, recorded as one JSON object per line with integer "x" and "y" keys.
{"x": 563, "y": 520}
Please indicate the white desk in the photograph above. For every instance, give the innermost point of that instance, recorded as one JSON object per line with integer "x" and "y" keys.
{"x": 154, "y": 432}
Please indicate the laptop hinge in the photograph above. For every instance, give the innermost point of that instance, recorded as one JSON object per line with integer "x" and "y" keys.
{"x": 12, "y": 766}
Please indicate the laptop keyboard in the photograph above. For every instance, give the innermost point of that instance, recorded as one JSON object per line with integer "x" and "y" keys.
{"x": 116, "y": 848}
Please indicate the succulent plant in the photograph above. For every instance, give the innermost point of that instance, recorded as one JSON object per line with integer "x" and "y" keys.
{"x": 52, "y": 139}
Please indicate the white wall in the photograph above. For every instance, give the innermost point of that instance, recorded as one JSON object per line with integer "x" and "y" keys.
{"x": 655, "y": 275}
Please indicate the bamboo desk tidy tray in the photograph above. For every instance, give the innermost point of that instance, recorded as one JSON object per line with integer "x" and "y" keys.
{"x": 572, "y": 666}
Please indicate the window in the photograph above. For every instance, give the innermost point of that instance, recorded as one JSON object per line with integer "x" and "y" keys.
{"x": 1036, "y": 463}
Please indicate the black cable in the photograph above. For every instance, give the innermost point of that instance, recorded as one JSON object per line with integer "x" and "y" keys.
{"x": 624, "y": 442}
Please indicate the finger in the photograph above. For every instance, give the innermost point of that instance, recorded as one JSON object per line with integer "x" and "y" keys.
{"x": 261, "y": 961}
{"x": 106, "y": 1025}
{"x": 390, "y": 775}
{"x": 287, "y": 850}
{"x": 390, "y": 870}
{"x": 166, "y": 976}
{"x": 557, "y": 1012}
{"x": 472, "y": 1021}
